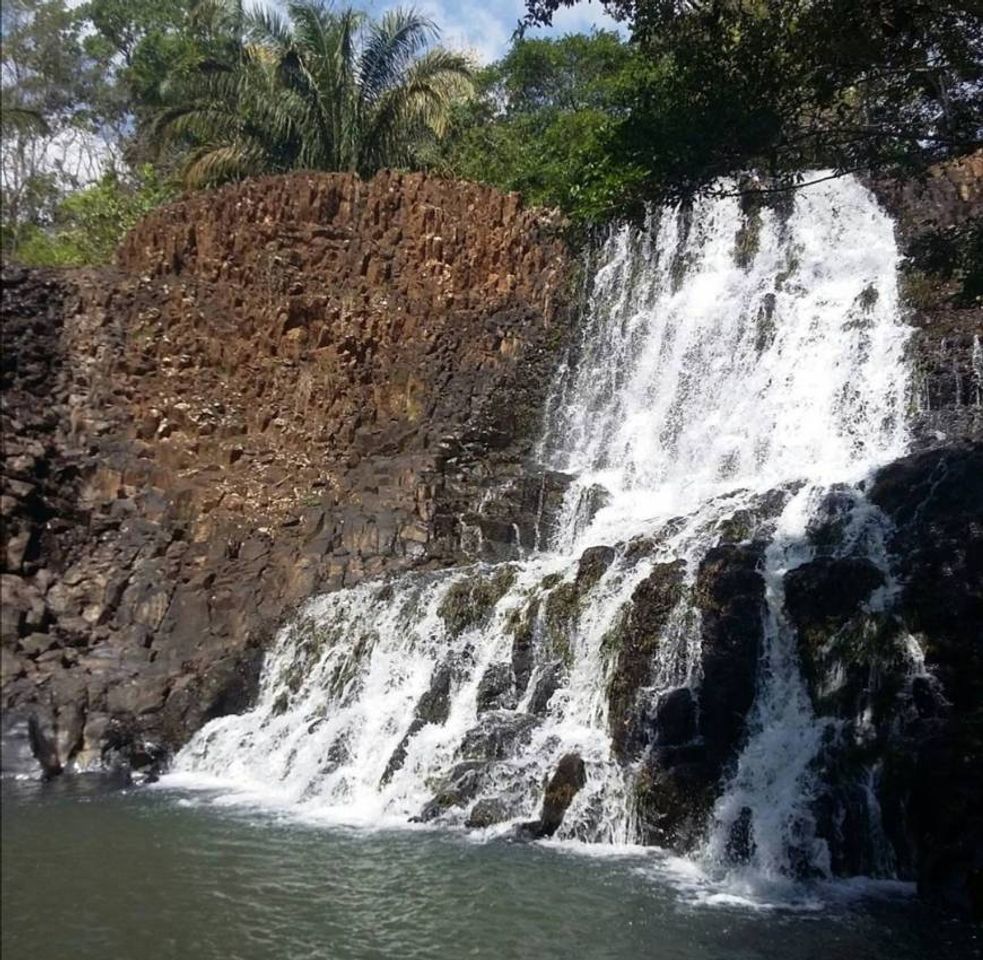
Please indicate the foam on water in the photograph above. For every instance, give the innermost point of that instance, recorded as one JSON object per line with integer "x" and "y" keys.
{"x": 701, "y": 381}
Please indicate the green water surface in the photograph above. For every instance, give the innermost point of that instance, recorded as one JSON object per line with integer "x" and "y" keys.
{"x": 149, "y": 874}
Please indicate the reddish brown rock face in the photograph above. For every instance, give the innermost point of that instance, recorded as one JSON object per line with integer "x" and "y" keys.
{"x": 286, "y": 386}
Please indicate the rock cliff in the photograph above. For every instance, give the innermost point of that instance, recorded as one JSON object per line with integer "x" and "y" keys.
{"x": 286, "y": 386}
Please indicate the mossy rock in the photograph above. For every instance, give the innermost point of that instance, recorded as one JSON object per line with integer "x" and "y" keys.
{"x": 469, "y": 602}
{"x": 866, "y": 655}
{"x": 747, "y": 240}
{"x": 921, "y": 290}
{"x": 550, "y": 581}
{"x": 521, "y": 623}
{"x": 561, "y": 610}
{"x": 593, "y": 564}
{"x": 633, "y": 641}
{"x": 672, "y": 803}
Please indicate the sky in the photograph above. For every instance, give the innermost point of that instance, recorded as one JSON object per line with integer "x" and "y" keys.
{"x": 484, "y": 27}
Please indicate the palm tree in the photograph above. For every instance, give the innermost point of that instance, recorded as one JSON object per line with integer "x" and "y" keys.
{"x": 319, "y": 89}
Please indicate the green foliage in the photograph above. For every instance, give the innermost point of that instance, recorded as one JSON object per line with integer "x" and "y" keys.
{"x": 53, "y": 109}
{"x": 90, "y": 223}
{"x": 787, "y": 85}
{"x": 592, "y": 124}
{"x": 542, "y": 121}
{"x": 320, "y": 89}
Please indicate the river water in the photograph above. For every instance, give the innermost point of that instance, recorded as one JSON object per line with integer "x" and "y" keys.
{"x": 159, "y": 874}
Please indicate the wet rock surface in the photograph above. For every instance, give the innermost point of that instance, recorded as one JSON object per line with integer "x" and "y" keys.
{"x": 691, "y": 735}
{"x": 564, "y": 784}
{"x": 900, "y": 769}
{"x": 935, "y": 500}
{"x": 285, "y": 387}
{"x": 730, "y": 595}
{"x": 652, "y": 603}
{"x": 939, "y": 219}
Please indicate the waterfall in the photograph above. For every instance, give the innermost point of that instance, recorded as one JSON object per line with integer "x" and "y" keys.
{"x": 732, "y": 368}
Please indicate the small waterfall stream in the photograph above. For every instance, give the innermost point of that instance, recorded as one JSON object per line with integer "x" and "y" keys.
{"x": 730, "y": 371}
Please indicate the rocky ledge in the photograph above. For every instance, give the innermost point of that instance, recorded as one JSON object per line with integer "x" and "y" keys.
{"x": 285, "y": 386}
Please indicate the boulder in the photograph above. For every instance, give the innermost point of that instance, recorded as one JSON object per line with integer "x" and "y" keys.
{"x": 730, "y": 593}
{"x": 487, "y": 812}
{"x": 633, "y": 645}
{"x": 566, "y": 782}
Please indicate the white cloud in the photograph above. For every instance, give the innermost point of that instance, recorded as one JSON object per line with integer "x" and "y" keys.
{"x": 485, "y": 29}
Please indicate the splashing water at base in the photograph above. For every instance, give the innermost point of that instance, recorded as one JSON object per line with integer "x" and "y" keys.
{"x": 725, "y": 361}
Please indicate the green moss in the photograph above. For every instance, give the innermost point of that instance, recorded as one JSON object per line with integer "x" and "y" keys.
{"x": 468, "y": 602}
{"x": 868, "y": 653}
{"x": 920, "y": 290}
{"x": 613, "y": 641}
{"x": 550, "y": 581}
{"x": 560, "y": 613}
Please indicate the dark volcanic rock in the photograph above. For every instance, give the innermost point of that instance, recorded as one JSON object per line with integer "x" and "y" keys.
{"x": 938, "y": 224}
{"x": 635, "y": 644}
{"x": 730, "y": 594}
{"x": 675, "y": 717}
{"x": 287, "y": 386}
{"x": 824, "y": 602}
{"x": 495, "y": 691}
{"x": 594, "y": 561}
{"x": 824, "y": 593}
{"x": 458, "y": 788}
{"x": 568, "y": 778}
{"x": 433, "y": 707}
{"x": 692, "y": 736}
{"x": 935, "y": 500}
{"x": 497, "y": 735}
{"x": 674, "y": 793}
{"x": 547, "y": 683}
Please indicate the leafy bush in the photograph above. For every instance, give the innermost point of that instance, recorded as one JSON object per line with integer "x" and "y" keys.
{"x": 89, "y": 224}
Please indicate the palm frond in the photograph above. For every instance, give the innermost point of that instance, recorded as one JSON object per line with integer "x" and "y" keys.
{"x": 317, "y": 88}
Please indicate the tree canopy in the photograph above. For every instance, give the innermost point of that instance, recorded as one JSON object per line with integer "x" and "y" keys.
{"x": 129, "y": 101}
{"x": 318, "y": 89}
{"x": 542, "y": 121}
{"x": 784, "y": 85}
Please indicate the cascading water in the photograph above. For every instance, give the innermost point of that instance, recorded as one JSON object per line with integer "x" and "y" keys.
{"x": 730, "y": 369}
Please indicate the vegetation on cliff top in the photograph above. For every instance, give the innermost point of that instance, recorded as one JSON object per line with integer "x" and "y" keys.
{"x": 156, "y": 97}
